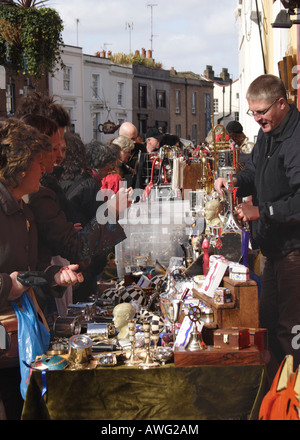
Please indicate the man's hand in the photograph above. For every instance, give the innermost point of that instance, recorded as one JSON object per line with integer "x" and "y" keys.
{"x": 247, "y": 212}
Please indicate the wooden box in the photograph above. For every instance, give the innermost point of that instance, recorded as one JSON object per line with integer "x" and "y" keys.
{"x": 259, "y": 337}
{"x": 191, "y": 178}
{"x": 217, "y": 357}
{"x": 234, "y": 338}
{"x": 242, "y": 312}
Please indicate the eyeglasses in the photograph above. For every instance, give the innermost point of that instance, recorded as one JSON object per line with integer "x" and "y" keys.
{"x": 261, "y": 112}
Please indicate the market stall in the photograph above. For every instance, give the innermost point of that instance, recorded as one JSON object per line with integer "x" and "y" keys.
{"x": 176, "y": 336}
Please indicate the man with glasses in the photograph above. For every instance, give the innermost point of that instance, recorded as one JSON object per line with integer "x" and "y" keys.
{"x": 272, "y": 177}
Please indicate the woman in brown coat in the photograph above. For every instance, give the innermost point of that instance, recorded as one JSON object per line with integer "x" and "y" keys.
{"x": 23, "y": 151}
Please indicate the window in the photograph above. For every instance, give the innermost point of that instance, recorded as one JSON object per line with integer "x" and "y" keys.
{"x": 95, "y": 86}
{"x": 160, "y": 99}
{"x": 194, "y": 134}
{"x": 96, "y": 122}
{"x": 236, "y": 116}
{"x": 208, "y": 112}
{"x": 142, "y": 122}
{"x": 162, "y": 126}
{"x": 194, "y": 101}
{"x": 67, "y": 75}
{"x": 142, "y": 96}
{"x": 121, "y": 99}
{"x": 10, "y": 99}
{"x": 178, "y": 130}
{"x": 178, "y": 102}
{"x": 216, "y": 106}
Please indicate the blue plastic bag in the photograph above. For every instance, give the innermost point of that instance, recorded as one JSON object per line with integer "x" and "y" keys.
{"x": 33, "y": 338}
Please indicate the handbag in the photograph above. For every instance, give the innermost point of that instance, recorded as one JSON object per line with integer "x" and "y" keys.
{"x": 151, "y": 184}
{"x": 33, "y": 337}
{"x": 282, "y": 400}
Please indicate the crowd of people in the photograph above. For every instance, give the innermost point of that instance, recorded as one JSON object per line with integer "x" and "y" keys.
{"x": 48, "y": 185}
{"x": 49, "y": 181}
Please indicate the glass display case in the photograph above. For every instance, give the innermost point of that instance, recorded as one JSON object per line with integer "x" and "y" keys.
{"x": 155, "y": 231}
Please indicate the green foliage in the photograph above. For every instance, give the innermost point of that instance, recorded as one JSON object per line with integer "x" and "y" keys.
{"x": 23, "y": 3}
{"x": 122, "y": 58}
{"x": 30, "y": 39}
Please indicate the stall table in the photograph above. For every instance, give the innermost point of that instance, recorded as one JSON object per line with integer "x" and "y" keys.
{"x": 163, "y": 393}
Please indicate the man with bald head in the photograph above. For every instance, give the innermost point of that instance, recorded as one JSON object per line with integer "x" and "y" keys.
{"x": 129, "y": 130}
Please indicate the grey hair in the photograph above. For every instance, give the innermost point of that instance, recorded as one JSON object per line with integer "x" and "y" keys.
{"x": 267, "y": 88}
{"x": 99, "y": 155}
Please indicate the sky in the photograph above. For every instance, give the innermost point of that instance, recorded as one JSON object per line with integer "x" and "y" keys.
{"x": 186, "y": 34}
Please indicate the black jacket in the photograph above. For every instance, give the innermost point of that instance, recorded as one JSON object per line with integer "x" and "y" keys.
{"x": 81, "y": 193}
{"x": 272, "y": 176}
{"x": 57, "y": 236}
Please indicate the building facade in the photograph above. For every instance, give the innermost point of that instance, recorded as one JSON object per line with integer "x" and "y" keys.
{"x": 95, "y": 90}
{"x": 107, "y": 96}
{"x": 13, "y": 87}
{"x": 68, "y": 87}
{"x": 151, "y": 98}
{"x": 191, "y": 106}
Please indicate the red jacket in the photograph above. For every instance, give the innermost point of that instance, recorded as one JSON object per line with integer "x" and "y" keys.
{"x": 111, "y": 181}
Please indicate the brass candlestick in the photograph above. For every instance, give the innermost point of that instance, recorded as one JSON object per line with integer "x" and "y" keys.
{"x": 148, "y": 362}
{"x": 133, "y": 360}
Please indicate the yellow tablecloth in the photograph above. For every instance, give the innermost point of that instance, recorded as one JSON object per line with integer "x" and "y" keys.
{"x": 164, "y": 393}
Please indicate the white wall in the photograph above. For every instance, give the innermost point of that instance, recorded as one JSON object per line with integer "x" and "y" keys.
{"x": 222, "y": 94}
{"x": 250, "y": 59}
{"x": 103, "y": 106}
{"x": 71, "y": 99}
{"x": 87, "y": 106}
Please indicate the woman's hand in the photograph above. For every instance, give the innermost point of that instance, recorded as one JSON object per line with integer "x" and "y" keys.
{"x": 17, "y": 288}
{"x": 78, "y": 227}
{"x": 67, "y": 276}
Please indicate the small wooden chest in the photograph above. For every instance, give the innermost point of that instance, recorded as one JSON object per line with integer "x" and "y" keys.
{"x": 259, "y": 337}
{"x": 234, "y": 338}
